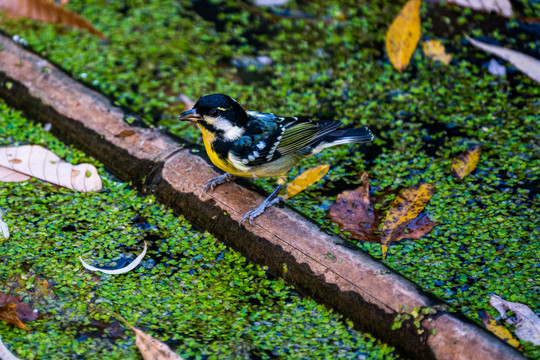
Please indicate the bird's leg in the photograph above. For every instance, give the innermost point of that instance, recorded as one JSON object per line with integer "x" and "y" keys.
{"x": 271, "y": 200}
{"x": 222, "y": 179}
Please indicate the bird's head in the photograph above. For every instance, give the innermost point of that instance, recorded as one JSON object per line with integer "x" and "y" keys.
{"x": 220, "y": 114}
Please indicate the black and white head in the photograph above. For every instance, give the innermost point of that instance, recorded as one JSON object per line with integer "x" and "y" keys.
{"x": 220, "y": 114}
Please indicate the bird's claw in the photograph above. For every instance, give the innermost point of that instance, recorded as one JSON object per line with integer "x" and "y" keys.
{"x": 219, "y": 180}
{"x": 252, "y": 214}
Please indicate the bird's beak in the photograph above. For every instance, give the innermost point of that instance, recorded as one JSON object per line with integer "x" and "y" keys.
{"x": 190, "y": 115}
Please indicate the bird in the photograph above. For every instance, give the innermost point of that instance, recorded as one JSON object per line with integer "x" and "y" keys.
{"x": 252, "y": 144}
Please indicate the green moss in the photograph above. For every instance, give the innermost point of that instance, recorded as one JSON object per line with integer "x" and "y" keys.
{"x": 191, "y": 291}
{"x": 329, "y": 62}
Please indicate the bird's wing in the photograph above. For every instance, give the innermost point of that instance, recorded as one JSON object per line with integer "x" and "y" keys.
{"x": 269, "y": 136}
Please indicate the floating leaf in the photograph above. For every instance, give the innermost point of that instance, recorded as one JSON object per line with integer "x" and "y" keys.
{"x": 5, "y": 354}
{"x": 123, "y": 270}
{"x": 466, "y": 162}
{"x": 403, "y": 35}
{"x": 497, "y": 329}
{"x": 354, "y": 213}
{"x": 43, "y": 164}
{"x": 525, "y": 321}
{"x": 4, "y": 230}
{"x": 14, "y": 311}
{"x": 434, "y": 50}
{"x": 8, "y": 175}
{"x": 404, "y": 209}
{"x": 501, "y": 7}
{"x": 46, "y": 11}
{"x": 306, "y": 179}
{"x": 524, "y": 63}
{"x": 150, "y": 348}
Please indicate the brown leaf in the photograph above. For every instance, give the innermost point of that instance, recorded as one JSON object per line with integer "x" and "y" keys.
{"x": 501, "y": 7}
{"x": 306, "y": 179}
{"x": 43, "y": 164}
{"x": 150, "y": 348}
{"x": 498, "y": 330}
{"x": 525, "y": 321}
{"x": 466, "y": 162}
{"x": 47, "y": 12}
{"x": 524, "y": 63}
{"x": 14, "y": 311}
{"x": 434, "y": 50}
{"x": 403, "y": 35}
{"x": 353, "y": 212}
{"x": 404, "y": 209}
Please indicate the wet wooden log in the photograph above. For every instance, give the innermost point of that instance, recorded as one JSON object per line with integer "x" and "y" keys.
{"x": 319, "y": 264}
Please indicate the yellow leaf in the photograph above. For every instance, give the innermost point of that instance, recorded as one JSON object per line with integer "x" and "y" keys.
{"x": 150, "y": 348}
{"x": 306, "y": 179}
{"x": 404, "y": 209}
{"x": 46, "y": 11}
{"x": 466, "y": 162}
{"x": 499, "y": 330}
{"x": 434, "y": 50}
{"x": 403, "y": 35}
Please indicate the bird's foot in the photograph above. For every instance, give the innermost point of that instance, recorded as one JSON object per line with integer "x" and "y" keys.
{"x": 252, "y": 214}
{"x": 222, "y": 179}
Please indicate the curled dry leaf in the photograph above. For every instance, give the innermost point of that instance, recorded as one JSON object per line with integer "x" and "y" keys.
{"x": 434, "y": 50}
{"x": 46, "y": 11}
{"x": 43, "y": 164}
{"x": 524, "y": 63}
{"x": 403, "y": 35}
{"x": 500, "y": 7}
{"x": 525, "y": 321}
{"x": 4, "y": 230}
{"x": 123, "y": 270}
{"x": 5, "y": 354}
{"x": 403, "y": 210}
{"x": 8, "y": 175}
{"x": 305, "y": 180}
{"x": 14, "y": 311}
{"x": 150, "y": 348}
{"x": 466, "y": 162}
{"x": 354, "y": 213}
{"x": 497, "y": 329}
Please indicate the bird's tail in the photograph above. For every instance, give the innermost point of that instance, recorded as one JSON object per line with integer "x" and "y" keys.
{"x": 347, "y": 136}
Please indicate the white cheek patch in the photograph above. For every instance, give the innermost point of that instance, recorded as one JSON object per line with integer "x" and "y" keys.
{"x": 230, "y": 131}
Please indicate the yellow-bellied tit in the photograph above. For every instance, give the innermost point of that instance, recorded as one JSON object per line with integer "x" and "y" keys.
{"x": 258, "y": 145}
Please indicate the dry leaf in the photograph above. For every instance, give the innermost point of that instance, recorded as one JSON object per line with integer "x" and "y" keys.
{"x": 404, "y": 209}
{"x": 403, "y": 35}
{"x": 270, "y": 3}
{"x": 43, "y": 164}
{"x": 501, "y": 7}
{"x": 354, "y": 213}
{"x": 525, "y": 321}
{"x": 14, "y": 311}
{"x": 4, "y": 230}
{"x": 47, "y": 12}
{"x": 150, "y": 348}
{"x": 305, "y": 180}
{"x": 8, "y": 175}
{"x": 434, "y": 50}
{"x": 123, "y": 270}
{"x": 5, "y": 354}
{"x": 466, "y": 162}
{"x": 524, "y": 63}
{"x": 497, "y": 329}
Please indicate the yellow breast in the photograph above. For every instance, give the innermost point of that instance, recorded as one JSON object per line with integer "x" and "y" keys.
{"x": 223, "y": 164}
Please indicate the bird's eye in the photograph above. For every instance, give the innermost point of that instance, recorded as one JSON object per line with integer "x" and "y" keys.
{"x": 214, "y": 112}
